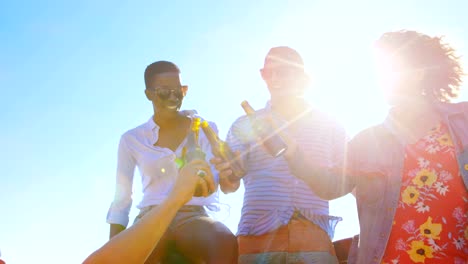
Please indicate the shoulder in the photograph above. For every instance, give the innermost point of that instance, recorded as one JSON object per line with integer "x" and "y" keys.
{"x": 323, "y": 120}
{"x": 453, "y": 108}
{"x": 243, "y": 119}
{"x": 135, "y": 132}
{"x": 370, "y": 136}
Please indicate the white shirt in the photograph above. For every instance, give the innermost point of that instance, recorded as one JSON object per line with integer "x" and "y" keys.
{"x": 157, "y": 166}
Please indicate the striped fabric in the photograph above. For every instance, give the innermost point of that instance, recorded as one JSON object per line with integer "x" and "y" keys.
{"x": 272, "y": 193}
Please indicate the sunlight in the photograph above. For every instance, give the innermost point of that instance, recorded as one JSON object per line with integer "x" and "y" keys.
{"x": 347, "y": 89}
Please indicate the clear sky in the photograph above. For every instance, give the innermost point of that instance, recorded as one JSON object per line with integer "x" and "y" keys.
{"x": 71, "y": 80}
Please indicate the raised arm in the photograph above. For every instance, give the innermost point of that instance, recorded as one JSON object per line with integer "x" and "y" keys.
{"x": 135, "y": 244}
{"x": 328, "y": 181}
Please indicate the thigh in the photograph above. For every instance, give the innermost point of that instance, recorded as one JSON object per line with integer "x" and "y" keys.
{"x": 204, "y": 240}
{"x": 161, "y": 249}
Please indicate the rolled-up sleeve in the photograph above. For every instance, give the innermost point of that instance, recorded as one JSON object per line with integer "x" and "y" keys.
{"x": 120, "y": 206}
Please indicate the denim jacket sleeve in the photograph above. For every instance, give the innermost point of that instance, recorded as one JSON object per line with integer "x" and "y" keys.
{"x": 456, "y": 117}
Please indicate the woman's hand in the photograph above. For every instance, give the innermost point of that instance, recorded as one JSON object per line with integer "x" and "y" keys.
{"x": 194, "y": 175}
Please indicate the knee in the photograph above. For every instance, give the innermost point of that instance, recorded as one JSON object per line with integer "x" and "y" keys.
{"x": 224, "y": 246}
{"x": 226, "y": 238}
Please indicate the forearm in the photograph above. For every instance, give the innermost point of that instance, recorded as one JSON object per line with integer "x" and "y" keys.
{"x": 135, "y": 244}
{"x": 328, "y": 183}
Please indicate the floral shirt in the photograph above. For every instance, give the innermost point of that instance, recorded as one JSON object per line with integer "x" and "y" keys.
{"x": 430, "y": 224}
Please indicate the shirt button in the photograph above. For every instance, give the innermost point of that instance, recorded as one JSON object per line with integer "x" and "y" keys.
{"x": 466, "y": 167}
{"x": 390, "y": 209}
{"x": 382, "y": 234}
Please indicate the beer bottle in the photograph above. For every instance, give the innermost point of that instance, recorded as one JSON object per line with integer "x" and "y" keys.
{"x": 222, "y": 150}
{"x": 193, "y": 149}
{"x": 272, "y": 142}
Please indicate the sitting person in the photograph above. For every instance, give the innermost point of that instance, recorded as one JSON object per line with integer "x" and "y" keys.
{"x": 157, "y": 148}
{"x": 283, "y": 220}
{"x": 135, "y": 244}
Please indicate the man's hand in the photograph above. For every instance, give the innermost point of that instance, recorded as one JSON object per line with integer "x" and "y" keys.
{"x": 224, "y": 167}
{"x": 291, "y": 143}
{"x": 196, "y": 173}
{"x": 227, "y": 180}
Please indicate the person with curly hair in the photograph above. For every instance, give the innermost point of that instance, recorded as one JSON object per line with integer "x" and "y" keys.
{"x": 409, "y": 173}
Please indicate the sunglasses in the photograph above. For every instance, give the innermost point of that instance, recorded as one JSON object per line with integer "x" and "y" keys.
{"x": 280, "y": 71}
{"x": 165, "y": 94}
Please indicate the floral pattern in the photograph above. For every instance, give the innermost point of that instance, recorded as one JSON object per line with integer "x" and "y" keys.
{"x": 430, "y": 224}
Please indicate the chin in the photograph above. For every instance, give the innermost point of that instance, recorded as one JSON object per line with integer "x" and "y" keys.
{"x": 173, "y": 107}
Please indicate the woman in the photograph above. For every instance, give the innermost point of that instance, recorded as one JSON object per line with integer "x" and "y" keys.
{"x": 156, "y": 148}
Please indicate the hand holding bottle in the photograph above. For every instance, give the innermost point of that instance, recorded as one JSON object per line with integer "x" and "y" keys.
{"x": 195, "y": 153}
{"x": 221, "y": 150}
{"x": 263, "y": 129}
{"x": 189, "y": 181}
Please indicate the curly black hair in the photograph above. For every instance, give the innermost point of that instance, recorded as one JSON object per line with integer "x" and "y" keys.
{"x": 443, "y": 69}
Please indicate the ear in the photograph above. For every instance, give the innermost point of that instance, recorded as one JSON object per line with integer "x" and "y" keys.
{"x": 149, "y": 95}
{"x": 184, "y": 89}
{"x": 261, "y": 74}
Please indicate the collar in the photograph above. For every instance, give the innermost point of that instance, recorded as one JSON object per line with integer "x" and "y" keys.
{"x": 445, "y": 111}
{"x": 151, "y": 125}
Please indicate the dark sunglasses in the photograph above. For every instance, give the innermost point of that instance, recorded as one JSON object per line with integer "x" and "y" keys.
{"x": 280, "y": 71}
{"x": 165, "y": 94}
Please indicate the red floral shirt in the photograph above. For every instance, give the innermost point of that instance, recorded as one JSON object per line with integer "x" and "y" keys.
{"x": 430, "y": 224}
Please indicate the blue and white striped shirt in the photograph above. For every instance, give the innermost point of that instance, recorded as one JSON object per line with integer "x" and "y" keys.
{"x": 272, "y": 193}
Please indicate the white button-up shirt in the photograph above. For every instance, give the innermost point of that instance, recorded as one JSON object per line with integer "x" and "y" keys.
{"x": 157, "y": 168}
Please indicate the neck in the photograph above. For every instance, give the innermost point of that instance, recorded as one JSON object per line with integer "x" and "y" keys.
{"x": 411, "y": 110}
{"x": 289, "y": 107}
{"x": 166, "y": 118}
{"x": 414, "y": 120}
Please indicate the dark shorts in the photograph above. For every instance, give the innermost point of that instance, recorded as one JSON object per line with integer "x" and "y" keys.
{"x": 186, "y": 214}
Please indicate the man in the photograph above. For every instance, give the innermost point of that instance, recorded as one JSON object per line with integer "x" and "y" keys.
{"x": 135, "y": 244}
{"x": 410, "y": 173}
{"x": 282, "y": 220}
{"x": 158, "y": 147}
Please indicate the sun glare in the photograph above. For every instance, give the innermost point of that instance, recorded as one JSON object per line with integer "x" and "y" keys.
{"x": 347, "y": 89}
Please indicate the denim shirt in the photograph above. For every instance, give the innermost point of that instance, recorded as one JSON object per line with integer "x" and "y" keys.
{"x": 374, "y": 166}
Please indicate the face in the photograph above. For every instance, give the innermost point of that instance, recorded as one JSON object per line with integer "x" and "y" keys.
{"x": 165, "y": 91}
{"x": 399, "y": 82}
{"x": 283, "y": 79}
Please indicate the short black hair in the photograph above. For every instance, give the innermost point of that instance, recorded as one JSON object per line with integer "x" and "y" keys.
{"x": 158, "y": 68}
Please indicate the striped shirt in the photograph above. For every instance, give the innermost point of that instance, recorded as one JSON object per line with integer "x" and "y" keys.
{"x": 272, "y": 193}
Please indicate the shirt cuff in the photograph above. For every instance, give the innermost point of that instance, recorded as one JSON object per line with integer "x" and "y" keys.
{"x": 114, "y": 217}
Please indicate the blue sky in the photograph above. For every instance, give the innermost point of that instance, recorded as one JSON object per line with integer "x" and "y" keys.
{"x": 71, "y": 80}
